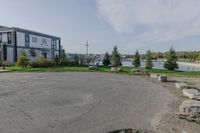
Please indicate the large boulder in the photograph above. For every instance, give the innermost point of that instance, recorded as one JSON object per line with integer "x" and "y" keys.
{"x": 139, "y": 72}
{"x": 154, "y": 76}
{"x": 92, "y": 68}
{"x": 181, "y": 85}
{"x": 115, "y": 69}
{"x": 162, "y": 78}
{"x": 191, "y": 93}
{"x": 190, "y": 109}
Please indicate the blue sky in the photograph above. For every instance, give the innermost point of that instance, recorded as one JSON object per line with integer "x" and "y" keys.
{"x": 129, "y": 24}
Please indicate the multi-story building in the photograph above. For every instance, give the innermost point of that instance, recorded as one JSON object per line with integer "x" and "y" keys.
{"x": 13, "y": 40}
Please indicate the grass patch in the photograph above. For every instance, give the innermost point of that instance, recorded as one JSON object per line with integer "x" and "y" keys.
{"x": 126, "y": 70}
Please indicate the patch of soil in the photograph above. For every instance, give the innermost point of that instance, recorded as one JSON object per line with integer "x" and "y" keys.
{"x": 171, "y": 123}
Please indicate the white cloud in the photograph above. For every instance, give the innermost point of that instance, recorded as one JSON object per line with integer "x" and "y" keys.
{"x": 160, "y": 20}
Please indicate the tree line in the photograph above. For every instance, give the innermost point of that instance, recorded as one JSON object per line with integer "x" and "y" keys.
{"x": 115, "y": 59}
{"x": 190, "y": 56}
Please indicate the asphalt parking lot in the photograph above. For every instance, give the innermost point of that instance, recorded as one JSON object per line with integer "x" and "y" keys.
{"x": 75, "y": 102}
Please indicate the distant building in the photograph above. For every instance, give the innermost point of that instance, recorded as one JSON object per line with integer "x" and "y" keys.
{"x": 13, "y": 40}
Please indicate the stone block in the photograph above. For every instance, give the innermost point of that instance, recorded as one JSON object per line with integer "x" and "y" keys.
{"x": 154, "y": 76}
{"x": 139, "y": 72}
{"x": 191, "y": 93}
{"x": 190, "y": 108}
{"x": 92, "y": 68}
{"x": 114, "y": 69}
{"x": 181, "y": 85}
{"x": 162, "y": 78}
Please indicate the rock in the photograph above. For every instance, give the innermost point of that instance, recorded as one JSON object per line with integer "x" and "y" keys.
{"x": 191, "y": 93}
{"x": 4, "y": 71}
{"x": 162, "y": 78}
{"x": 154, "y": 76}
{"x": 190, "y": 108}
{"x": 139, "y": 72}
{"x": 114, "y": 69}
{"x": 181, "y": 85}
{"x": 92, "y": 68}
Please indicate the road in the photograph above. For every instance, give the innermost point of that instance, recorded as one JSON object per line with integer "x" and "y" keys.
{"x": 75, "y": 102}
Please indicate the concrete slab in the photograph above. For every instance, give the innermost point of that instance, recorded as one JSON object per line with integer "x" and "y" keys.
{"x": 190, "y": 108}
{"x": 162, "y": 78}
{"x": 79, "y": 102}
{"x": 191, "y": 93}
{"x": 154, "y": 76}
{"x": 181, "y": 85}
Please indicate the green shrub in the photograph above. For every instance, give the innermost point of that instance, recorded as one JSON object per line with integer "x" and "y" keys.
{"x": 56, "y": 60}
{"x": 42, "y": 62}
{"x": 23, "y": 61}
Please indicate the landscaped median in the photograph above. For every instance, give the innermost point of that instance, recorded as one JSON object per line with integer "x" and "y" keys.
{"x": 125, "y": 70}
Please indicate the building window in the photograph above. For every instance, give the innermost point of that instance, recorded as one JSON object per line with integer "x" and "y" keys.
{"x": 9, "y": 38}
{"x": 55, "y": 44}
{"x": 34, "y": 39}
{"x": 44, "y": 41}
{"x": 26, "y": 44}
{"x": 27, "y": 40}
{"x": 52, "y": 44}
{"x": 4, "y": 38}
{"x": 44, "y": 55}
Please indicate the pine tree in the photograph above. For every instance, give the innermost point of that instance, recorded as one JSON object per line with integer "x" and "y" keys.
{"x": 149, "y": 57}
{"x": 116, "y": 59}
{"x": 76, "y": 60}
{"x": 198, "y": 58}
{"x": 136, "y": 60}
{"x": 106, "y": 60}
{"x": 171, "y": 62}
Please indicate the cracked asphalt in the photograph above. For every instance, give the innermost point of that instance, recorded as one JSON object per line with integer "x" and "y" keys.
{"x": 76, "y": 102}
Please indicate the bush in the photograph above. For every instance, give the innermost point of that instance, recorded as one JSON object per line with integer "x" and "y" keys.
{"x": 23, "y": 60}
{"x": 42, "y": 62}
{"x": 56, "y": 60}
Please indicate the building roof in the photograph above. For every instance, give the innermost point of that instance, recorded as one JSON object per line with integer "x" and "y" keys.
{"x": 2, "y": 26}
{"x": 27, "y": 31}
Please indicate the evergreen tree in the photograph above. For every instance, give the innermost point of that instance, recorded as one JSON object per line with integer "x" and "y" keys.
{"x": 116, "y": 59}
{"x": 106, "y": 60}
{"x": 198, "y": 58}
{"x": 23, "y": 60}
{"x": 76, "y": 60}
{"x": 136, "y": 60}
{"x": 171, "y": 62}
{"x": 63, "y": 58}
{"x": 149, "y": 63}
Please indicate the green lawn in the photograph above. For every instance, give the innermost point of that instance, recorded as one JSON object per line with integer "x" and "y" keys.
{"x": 126, "y": 70}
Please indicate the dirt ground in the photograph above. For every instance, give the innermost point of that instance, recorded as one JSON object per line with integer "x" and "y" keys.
{"x": 171, "y": 123}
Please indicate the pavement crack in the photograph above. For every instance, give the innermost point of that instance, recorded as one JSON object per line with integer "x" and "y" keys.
{"x": 26, "y": 114}
{"x": 82, "y": 115}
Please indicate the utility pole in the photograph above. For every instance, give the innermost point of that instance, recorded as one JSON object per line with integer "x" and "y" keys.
{"x": 87, "y": 45}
